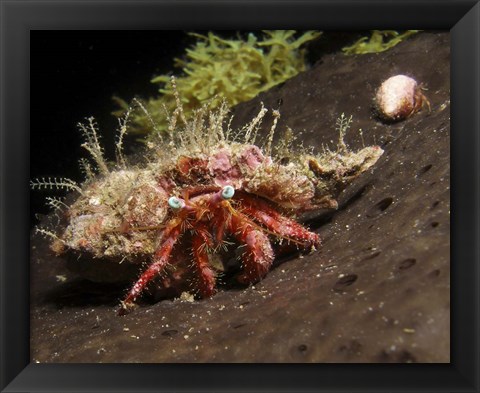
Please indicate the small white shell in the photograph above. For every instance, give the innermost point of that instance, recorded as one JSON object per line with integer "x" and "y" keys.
{"x": 398, "y": 97}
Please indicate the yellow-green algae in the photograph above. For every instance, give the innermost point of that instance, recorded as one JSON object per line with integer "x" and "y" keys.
{"x": 216, "y": 68}
{"x": 378, "y": 42}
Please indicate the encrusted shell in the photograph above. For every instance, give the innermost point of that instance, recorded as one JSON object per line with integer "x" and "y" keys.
{"x": 398, "y": 97}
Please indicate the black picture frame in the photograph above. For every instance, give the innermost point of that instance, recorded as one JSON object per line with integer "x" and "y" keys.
{"x": 18, "y": 17}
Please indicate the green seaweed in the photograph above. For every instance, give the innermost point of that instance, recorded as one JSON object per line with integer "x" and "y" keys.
{"x": 379, "y": 41}
{"x": 216, "y": 68}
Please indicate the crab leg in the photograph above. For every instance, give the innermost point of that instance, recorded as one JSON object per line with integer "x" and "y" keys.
{"x": 206, "y": 275}
{"x": 259, "y": 256}
{"x": 160, "y": 260}
{"x": 263, "y": 213}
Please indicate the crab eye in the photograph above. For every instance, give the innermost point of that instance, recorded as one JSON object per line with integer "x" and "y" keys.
{"x": 175, "y": 203}
{"x": 228, "y": 192}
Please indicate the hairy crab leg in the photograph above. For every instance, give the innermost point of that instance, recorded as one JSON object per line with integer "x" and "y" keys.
{"x": 160, "y": 260}
{"x": 259, "y": 255}
{"x": 206, "y": 275}
{"x": 214, "y": 204}
{"x": 263, "y": 213}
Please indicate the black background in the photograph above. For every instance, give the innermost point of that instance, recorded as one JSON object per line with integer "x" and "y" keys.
{"x": 74, "y": 75}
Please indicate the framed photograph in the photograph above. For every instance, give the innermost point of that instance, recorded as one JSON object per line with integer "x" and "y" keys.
{"x": 261, "y": 196}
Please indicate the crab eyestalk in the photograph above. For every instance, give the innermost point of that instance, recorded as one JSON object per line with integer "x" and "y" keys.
{"x": 179, "y": 205}
{"x": 176, "y": 203}
{"x": 224, "y": 194}
{"x": 228, "y": 192}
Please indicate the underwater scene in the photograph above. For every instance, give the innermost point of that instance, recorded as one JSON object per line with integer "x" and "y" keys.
{"x": 273, "y": 196}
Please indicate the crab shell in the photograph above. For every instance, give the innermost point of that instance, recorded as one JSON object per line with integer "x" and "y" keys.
{"x": 398, "y": 98}
{"x": 103, "y": 220}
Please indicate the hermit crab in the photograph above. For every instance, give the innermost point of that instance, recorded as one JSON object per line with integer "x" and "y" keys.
{"x": 399, "y": 97}
{"x": 204, "y": 192}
